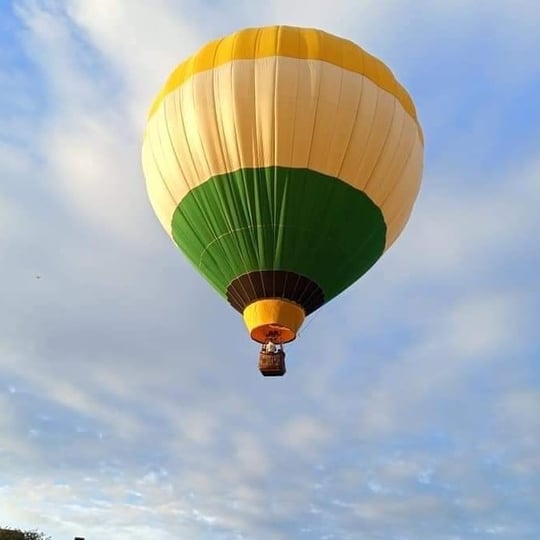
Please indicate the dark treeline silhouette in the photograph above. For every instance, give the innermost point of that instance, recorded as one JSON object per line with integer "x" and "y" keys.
{"x": 17, "y": 534}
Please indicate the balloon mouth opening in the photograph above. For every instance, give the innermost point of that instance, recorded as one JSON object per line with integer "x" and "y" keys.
{"x": 272, "y": 332}
{"x": 273, "y": 319}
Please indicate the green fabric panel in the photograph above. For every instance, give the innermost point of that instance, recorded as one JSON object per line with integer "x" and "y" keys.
{"x": 280, "y": 218}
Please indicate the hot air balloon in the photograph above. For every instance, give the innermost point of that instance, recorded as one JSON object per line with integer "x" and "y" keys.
{"x": 283, "y": 162}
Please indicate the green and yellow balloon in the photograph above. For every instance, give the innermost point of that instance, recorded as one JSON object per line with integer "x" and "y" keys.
{"x": 283, "y": 162}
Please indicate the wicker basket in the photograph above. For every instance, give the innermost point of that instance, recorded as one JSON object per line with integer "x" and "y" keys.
{"x": 272, "y": 364}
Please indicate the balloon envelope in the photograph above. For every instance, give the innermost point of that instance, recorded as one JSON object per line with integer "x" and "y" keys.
{"x": 283, "y": 162}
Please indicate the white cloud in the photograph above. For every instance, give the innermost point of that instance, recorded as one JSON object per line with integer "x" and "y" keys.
{"x": 468, "y": 336}
{"x": 519, "y": 413}
{"x": 251, "y": 455}
{"x": 304, "y": 434}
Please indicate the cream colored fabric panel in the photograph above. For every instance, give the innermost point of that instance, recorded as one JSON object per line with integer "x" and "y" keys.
{"x": 325, "y": 126}
{"x": 194, "y": 148}
{"x": 330, "y": 120}
{"x": 302, "y": 84}
{"x": 393, "y": 157}
{"x": 210, "y": 97}
{"x": 265, "y": 74}
{"x": 167, "y": 131}
{"x": 376, "y": 117}
{"x": 340, "y": 146}
{"x": 364, "y": 117}
{"x": 160, "y": 197}
{"x": 397, "y": 207}
{"x": 239, "y": 111}
{"x": 289, "y": 110}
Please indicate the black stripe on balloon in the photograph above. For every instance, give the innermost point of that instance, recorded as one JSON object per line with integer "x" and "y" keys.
{"x": 274, "y": 284}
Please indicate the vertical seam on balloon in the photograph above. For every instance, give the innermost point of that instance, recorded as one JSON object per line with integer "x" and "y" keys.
{"x": 336, "y": 184}
{"x": 382, "y": 147}
{"x": 403, "y": 169}
{"x": 185, "y": 177}
{"x": 202, "y": 193}
{"x": 276, "y": 136}
{"x": 178, "y": 208}
{"x": 231, "y": 181}
{"x": 255, "y": 148}
{"x": 215, "y": 185}
{"x": 150, "y": 142}
{"x": 289, "y": 163}
{"x": 254, "y": 175}
{"x": 369, "y": 136}
{"x": 160, "y": 140}
{"x": 259, "y": 147}
{"x": 393, "y": 219}
{"x": 218, "y": 122}
{"x": 323, "y": 67}
{"x": 311, "y": 130}
{"x": 275, "y": 223}
{"x": 353, "y": 125}
{"x": 192, "y": 189}
{"x": 244, "y": 260}
{"x": 248, "y": 211}
{"x": 396, "y": 177}
{"x": 362, "y": 80}
{"x": 217, "y": 188}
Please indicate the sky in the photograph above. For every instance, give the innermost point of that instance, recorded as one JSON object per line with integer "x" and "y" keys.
{"x": 131, "y": 406}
